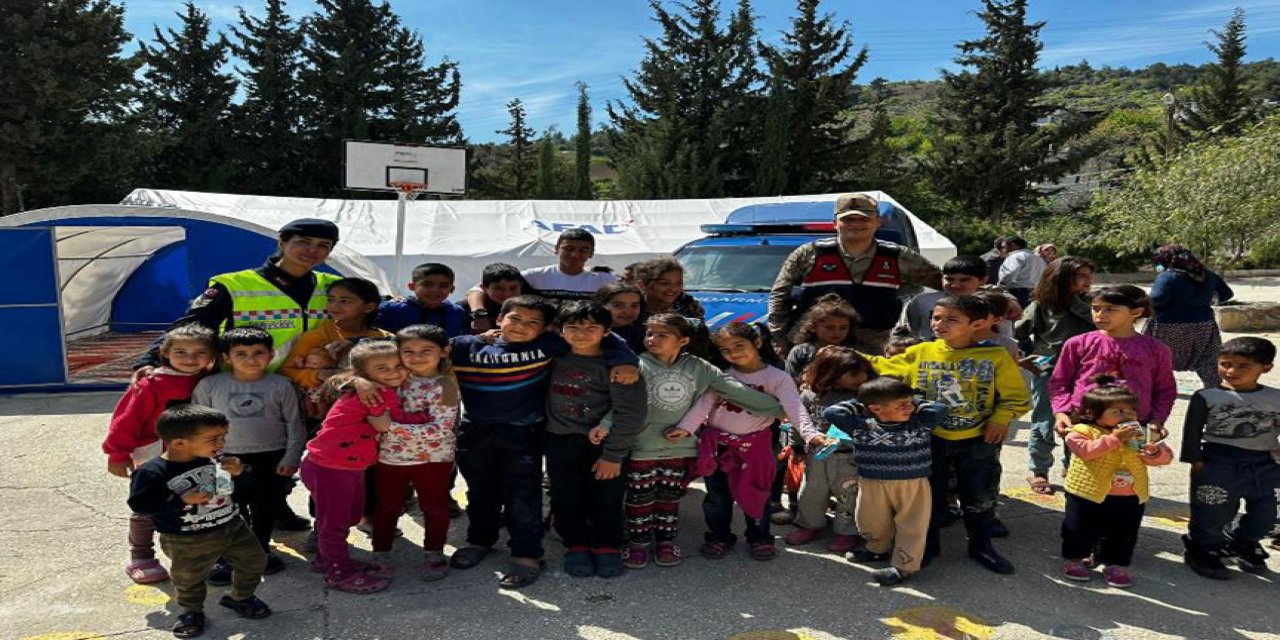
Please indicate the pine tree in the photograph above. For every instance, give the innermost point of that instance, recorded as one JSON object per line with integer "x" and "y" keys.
{"x": 64, "y": 89}
{"x": 686, "y": 130}
{"x": 989, "y": 152}
{"x": 582, "y": 188}
{"x": 420, "y": 99}
{"x": 806, "y": 140}
{"x": 1221, "y": 105}
{"x": 267, "y": 123}
{"x": 519, "y": 141}
{"x": 187, "y": 100}
{"x": 878, "y": 165}
{"x": 549, "y": 168}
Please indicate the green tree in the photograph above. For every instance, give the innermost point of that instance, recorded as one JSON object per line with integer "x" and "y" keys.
{"x": 420, "y": 100}
{"x": 520, "y": 144}
{"x": 1221, "y": 104}
{"x": 554, "y": 179}
{"x": 807, "y": 137}
{"x": 990, "y": 147}
{"x": 64, "y": 127}
{"x": 582, "y": 188}
{"x": 267, "y": 122}
{"x": 686, "y": 131}
{"x": 879, "y": 164}
{"x": 186, "y": 98}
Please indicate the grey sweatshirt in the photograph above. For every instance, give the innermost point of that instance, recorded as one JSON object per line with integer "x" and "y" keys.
{"x": 265, "y": 415}
{"x": 1243, "y": 419}
{"x": 581, "y": 396}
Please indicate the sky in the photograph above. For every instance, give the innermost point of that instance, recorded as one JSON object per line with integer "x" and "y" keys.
{"x": 536, "y": 50}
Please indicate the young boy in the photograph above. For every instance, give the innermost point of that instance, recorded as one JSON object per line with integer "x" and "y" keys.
{"x": 1229, "y": 436}
{"x": 585, "y": 468}
{"x": 892, "y": 452}
{"x": 267, "y": 433}
{"x": 188, "y": 495}
{"x": 961, "y": 276}
{"x": 567, "y": 280}
{"x": 504, "y": 389}
{"x": 985, "y": 392}
{"x": 432, "y": 285}
{"x": 499, "y": 281}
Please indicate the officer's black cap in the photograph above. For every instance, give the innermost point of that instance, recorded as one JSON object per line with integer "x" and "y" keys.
{"x": 312, "y": 228}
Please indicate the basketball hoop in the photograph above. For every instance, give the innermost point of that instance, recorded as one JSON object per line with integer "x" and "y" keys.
{"x": 409, "y": 189}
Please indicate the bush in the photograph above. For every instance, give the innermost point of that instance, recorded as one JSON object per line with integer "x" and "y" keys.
{"x": 1264, "y": 254}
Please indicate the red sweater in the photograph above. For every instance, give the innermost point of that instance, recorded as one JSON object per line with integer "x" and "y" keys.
{"x": 346, "y": 440}
{"x": 133, "y": 425}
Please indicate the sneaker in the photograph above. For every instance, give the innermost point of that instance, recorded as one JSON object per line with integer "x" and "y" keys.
{"x": 578, "y": 562}
{"x": 636, "y": 556}
{"x": 1205, "y": 562}
{"x": 714, "y": 550}
{"x": 763, "y": 551}
{"x": 1118, "y": 577}
{"x": 275, "y": 564}
{"x": 802, "y": 536}
{"x": 1248, "y": 554}
{"x": 667, "y": 555}
{"x": 220, "y": 575}
{"x": 844, "y": 544}
{"x": 888, "y": 576}
{"x": 1076, "y": 570}
{"x": 434, "y": 566}
{"x": 291, "y": 521}
{"x": 998, "y": 529}
{"x": 991, "y": 560}
{"x": 862, "y": 554}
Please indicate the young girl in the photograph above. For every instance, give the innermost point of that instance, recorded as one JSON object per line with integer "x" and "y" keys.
{"x": 833, "y": 377}
{"x": 662, "y": 281}
{"x": 188, "y": 352}
{"x": 736, "y": 454}
{"x": 625, "y": 303}
{"x": 1107, "y": 486}
{"x": 336, "y": 461}
{"x": 1058, "y": 312}
{"x": 662, "y": 455}
{"x": 830, "y": 321}
{"x": 419, "y": 452}
{"x": 1141, "y": 363}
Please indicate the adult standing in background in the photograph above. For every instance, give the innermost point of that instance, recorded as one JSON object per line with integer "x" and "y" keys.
{"x": 1182, "y": 301}
{"x": 863, "y": 270}
{"x": 568, "y": 280}
{"x": 1047, "y": 252}
{"x": 1020, "y": 271}
{"x": 994, "y": 258}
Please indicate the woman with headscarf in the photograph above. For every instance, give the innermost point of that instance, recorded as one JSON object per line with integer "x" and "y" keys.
{"x": 1182, "y": 301}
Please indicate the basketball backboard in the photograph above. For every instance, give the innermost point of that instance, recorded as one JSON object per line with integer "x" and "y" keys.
{"x": 376, "y": 166}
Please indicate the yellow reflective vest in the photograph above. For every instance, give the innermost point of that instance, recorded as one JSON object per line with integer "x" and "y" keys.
{"x": 255, "y": 302}
{"x": 1091, "y": 479}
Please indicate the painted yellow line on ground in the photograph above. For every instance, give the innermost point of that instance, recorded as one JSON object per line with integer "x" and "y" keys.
{"x": 67, "y": 635}
{"x": 932, "y": 622}
{"x": 145, "y": 595}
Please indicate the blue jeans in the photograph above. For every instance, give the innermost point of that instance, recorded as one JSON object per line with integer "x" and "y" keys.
{"x": 1041, "y": 440}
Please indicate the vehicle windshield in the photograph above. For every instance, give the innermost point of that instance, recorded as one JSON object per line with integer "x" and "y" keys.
{"x": 727, "y": 268}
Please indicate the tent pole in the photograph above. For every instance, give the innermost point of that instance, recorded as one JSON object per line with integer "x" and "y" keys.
{"x": 400, "y": 208}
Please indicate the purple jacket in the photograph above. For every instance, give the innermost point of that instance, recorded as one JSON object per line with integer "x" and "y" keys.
{"x": 1142, "y": 363}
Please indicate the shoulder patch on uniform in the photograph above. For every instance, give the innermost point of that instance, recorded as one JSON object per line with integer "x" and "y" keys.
{"x": 205, "y": 298}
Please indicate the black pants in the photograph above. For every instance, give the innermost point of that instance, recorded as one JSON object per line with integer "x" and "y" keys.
{"x": 717, "y": 508}
{"x": 262, "y": 492}
{"x": 588, "y": 511}
{"x": 976, "y": 467}
{"x": 1111, "y": 526}
{"x": 503, "y": 468}
{"x": 1232, "y": 474}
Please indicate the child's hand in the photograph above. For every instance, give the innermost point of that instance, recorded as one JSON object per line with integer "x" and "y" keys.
{"x": 606, "y": 470}
{"x": 624, "y": 374}
{"x": 1158, "y": 432}
{"x": 121, "y": 469}
{"x": 231, "y": 465}
{"x": 597, "y": 434}
{"x": 196, "y": 497}
{"x": 381, "y": 423}
{"x": 286, "y": 470}
{"x": 993, "y": 433}
{"x": 1127, "y": 432}
{"x": 138, "y": 375}
{"x": 491, "y": 336}
{"x": 367, "y": 391}
{"x": 1149, "y": 450}
{"x": 819, "y": 442}
{"x": 1061, "y": 424}
{"x": 674, "y": 434}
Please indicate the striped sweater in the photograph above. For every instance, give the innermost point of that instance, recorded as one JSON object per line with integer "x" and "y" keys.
{"x": 889, "y": 451}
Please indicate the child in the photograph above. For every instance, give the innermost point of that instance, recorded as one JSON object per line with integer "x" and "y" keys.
{"x": 336, "y": 461}
{"x": 504, "y": 390}
{"x": 985, "y": 392}
{"x": 833, "y": 377}
{"x": 498, "y": 282}
{"x": 736, "y": 453}
{"x": 1058, "y": 311}
{"x": 267, "y": 433}
{"x": 586, "y": 472}
{"x": 662, "y": 454}
{"x": 625, "y": 303}
{"x": 187, "y": 353}
{"x": 1107, "y": 487}
{"x": 830, "y": 321}
{"x": 662, "y": 281}
{"x": 900, "y": 345}
{"x": 188, "y": 496}
{"x": 432, "y": 285}
{"x": 313, "y": 400}
{"x": 419, "y": 451}
{"x": 961, "y": 276}
{"x": 1228, "y": 438}
{"x": 891, "y": 452}
{"x": 1141, "y": 363}
{"x": 999, "y": 303}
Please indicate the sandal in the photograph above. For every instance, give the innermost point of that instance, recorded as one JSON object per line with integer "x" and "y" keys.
{"x": 189, "y": 625}
{"x": 146, "y": 571}
{"x": 380, "y": 570}
{"x": 763, "y": 551}
{"x": 519, "y": 576}
{"x": 252, "y": 607}
{"x": 434, "y": 566}
{"x": 578, "y": 562}
{"x": 714, "y": 550}
{"x": 468, "y": 557}
{"x": 1040, "y": 485}
{"x": 357, "y": 582}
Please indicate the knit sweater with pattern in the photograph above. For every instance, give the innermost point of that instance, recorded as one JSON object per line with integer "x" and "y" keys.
{"x": 889, "y": 450}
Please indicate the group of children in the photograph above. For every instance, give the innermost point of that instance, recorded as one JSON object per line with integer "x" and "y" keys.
{"x": 401, "y": 393}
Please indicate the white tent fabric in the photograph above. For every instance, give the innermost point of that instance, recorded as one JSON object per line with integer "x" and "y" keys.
{"x": 468, "y": 234}
{"x": 92, "y": 260}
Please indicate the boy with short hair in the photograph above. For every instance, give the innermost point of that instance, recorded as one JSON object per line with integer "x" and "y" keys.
{"x": 432, "y": 285}
{"x": 1228, "y": 437}
{"x": 985, "y": 392}
{"x": 504, "y": 386}
{"x": 961, "y": 276}
{"x": 890, "y": 436}
{"x": 567, "y": 280}
{"x": 188, "y": 495}
{"x": 266, "y": 433}
{"x": 499, "y": 281}
{"x": 584, "y": 461}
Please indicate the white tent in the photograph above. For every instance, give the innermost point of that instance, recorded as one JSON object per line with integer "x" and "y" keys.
{"x": 468, "y": 234}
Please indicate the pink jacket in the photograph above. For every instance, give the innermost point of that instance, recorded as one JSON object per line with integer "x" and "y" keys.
{"x": 1141, "y": 363}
